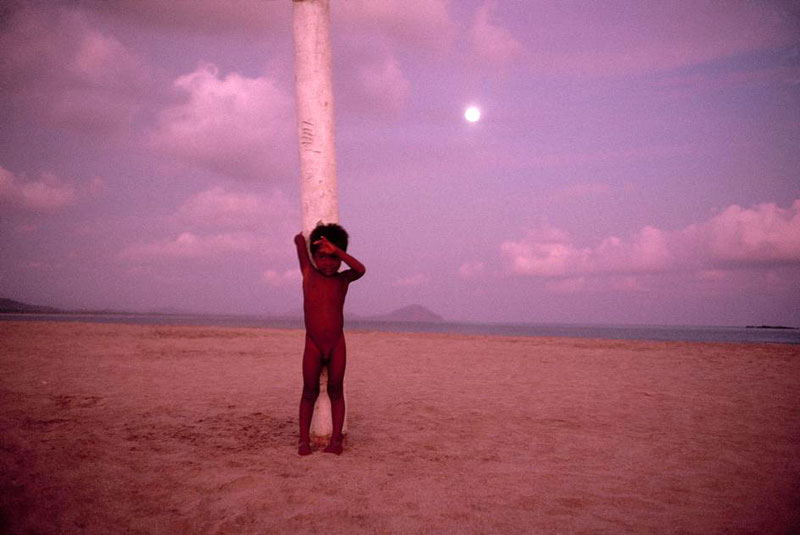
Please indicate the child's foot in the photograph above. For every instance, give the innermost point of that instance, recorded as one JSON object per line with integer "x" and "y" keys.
{"x": 304, "y": 449}
{"x": 335, "y": 446}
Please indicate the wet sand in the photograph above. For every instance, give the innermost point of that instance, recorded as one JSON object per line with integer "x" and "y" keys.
{"x": 193, "y": 430}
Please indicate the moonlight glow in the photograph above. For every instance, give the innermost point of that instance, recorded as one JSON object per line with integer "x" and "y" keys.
{"x": 472, "y": 114}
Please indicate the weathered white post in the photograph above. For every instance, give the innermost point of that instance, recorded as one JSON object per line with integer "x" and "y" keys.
{"x": 315, "y": 134}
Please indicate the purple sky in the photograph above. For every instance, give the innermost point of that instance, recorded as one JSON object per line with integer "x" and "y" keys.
{"x": 636, "y": 162}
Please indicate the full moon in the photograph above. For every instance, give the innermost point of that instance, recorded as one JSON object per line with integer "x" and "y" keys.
{"x": 472, "y": 114}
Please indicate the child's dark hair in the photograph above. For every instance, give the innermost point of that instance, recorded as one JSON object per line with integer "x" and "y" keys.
{"x": 332, "y": 232}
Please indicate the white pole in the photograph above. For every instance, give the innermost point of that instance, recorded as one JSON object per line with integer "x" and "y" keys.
{"x": 315, "y": 129}
{"x": 315, "y": 135}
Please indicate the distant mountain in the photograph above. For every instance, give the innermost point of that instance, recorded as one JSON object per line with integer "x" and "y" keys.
{"x": 11, "y": 306}
{"x": 411, "y": 313}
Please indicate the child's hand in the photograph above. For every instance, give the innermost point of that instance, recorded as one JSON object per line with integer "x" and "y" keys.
{"x": 326, "y": 247}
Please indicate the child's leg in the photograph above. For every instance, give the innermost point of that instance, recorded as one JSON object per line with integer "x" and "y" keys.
{"x": 336, "y": 366}
{"x": 312, "y": 365}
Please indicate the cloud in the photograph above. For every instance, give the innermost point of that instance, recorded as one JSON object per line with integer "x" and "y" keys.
{"x": 222, "y": 209}
{"x": 647, "y": 251}
{"x": 61, "y": 70}
{"x": 601, "y": 39}
{"x": 763, "y": 234}
{"x": 250, "y": 17}
{"x": 545, "y": 251}
{"x": 491, "y": 42}
{"x": 189, "y": 245}
{"x": 421, "y": 24}
{"x": 47, "y": 193}
{"x": 373, "y": 79}
{"x": 289, "y": 277}
{"x": 383, "y": 85}
{"x": 233, "y": 125}
{"x": 418, "y": 279}
{"x": 372, "y": 83}
{"x": 568, "y": 285}
{"x": 738, "y": 237}
{"x": 471, "y": 270}
{"x": 677, "y": 85}
{"x": 217, "y": 222}
{"x": 581, "y": 190}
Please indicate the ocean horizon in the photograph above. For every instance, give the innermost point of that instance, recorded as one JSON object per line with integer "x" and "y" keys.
{"x": 673, "y": 333}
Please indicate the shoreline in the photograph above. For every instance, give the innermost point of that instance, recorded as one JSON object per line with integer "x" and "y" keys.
{"x": 686, "y": 333}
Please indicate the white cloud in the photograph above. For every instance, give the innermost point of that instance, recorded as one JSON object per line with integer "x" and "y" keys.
{"x": 633, "y": 37}
{"x": 61, "y": 70}
{"x": 581, "y": 190}
{"x": 222, "y": 209}
{"x": 384, "y": 82}
{"x": 233, "y": 125}
{"x": 421, "y": 24}
{"x": 567, "y": 286}
{"x": 471, "y": 270}
{"x": 764, "y": 233}
{"x": 646, "y": 251}
{"x": 738, "y": 237}
{"x": 373, "y": 78}
{"x": 47, "y": 193}
{"x": 289, "y": 277}
{"x": 216, "y": 223}
{"x": 490, "y": 41}
{"x": 417, "y": 279}
{"x": 189, "y": 245}
{"x": 545, "y": 252}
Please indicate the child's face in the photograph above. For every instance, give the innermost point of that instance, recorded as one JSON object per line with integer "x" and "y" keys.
{"x": 327, "y": 264}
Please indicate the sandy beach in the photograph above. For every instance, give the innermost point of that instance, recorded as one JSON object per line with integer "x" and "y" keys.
{"x": 164, "y": 430}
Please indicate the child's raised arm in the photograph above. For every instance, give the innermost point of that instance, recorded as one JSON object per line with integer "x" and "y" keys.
{"x": 302, "y": 253}
{"x": 356, "y": 270}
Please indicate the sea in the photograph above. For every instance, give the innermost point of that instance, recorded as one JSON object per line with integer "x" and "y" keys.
{"x": 676, "y": 333}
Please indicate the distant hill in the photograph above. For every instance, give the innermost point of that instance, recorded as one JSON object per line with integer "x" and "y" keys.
{"x": 411, "y": 313}
{"x": 11, "y": 306}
